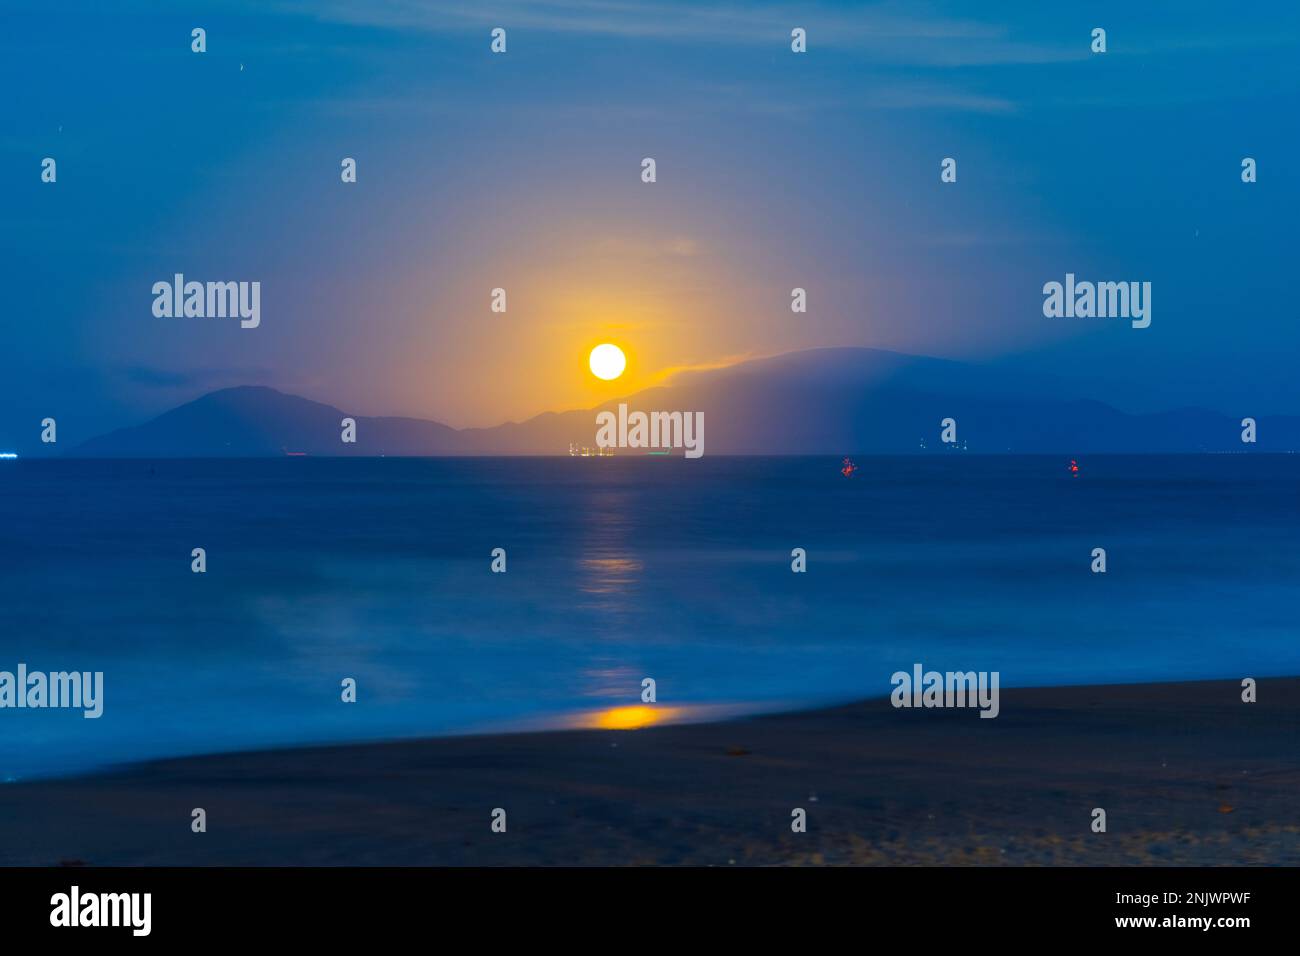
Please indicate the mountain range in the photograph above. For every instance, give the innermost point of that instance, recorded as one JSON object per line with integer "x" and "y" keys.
{"x": 822, "y": 401}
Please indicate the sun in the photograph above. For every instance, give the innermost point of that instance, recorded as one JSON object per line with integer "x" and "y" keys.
{"x": 607, "y": 362}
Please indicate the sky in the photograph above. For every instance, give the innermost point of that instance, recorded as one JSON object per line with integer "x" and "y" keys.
{"x": 522, "y": 171}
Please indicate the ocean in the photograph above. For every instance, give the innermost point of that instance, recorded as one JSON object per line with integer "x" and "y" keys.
{"x": 618, "y": 569}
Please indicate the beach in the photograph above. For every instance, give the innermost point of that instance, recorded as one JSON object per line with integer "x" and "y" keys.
{"x": 1187, "y": 773}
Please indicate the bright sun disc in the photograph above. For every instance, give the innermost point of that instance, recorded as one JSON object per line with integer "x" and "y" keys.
{"x": 607, "y": 361}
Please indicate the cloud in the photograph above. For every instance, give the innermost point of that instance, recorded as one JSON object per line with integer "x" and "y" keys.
{"x": 633, "y": 248}
{"x": 894, "y": 31}
{"x": 668, "y": 376}
{"x": 913, "y": 97}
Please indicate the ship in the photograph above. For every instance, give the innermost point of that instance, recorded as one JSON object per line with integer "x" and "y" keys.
{"x": 585, "y": 451}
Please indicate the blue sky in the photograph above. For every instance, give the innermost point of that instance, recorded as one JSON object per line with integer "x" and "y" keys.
{"x": 775, "y": 170}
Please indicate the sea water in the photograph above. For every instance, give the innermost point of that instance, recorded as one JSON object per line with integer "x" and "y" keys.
{"x": 618, "y": 569}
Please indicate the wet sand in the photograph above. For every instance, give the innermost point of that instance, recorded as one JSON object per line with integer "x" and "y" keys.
{"x": 1187, "y": 774}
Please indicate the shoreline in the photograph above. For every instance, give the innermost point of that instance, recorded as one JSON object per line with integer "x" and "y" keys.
{"x": 1187, "y": 773}
{"x": 687, "y": 713}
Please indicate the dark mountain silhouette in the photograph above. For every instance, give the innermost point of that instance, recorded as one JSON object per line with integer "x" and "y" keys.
{"x": 823, "y": 401}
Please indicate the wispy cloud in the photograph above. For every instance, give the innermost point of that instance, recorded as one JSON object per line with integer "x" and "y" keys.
{"x": 626, "y": 247}
{"x": 894, "y": 31}
{"x": 669, "y": 375}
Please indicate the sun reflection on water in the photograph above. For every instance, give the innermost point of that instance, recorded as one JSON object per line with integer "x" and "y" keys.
{"x": 614, "y": 575}
{"x": 631, "y": 717}
{"x": 638, "y": 716}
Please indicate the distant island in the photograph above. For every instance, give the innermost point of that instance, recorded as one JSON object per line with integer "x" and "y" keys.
{"x": 821, "y": 401}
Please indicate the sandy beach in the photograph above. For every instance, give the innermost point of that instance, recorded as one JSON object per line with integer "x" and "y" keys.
{"x": 1187, "y": 774}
